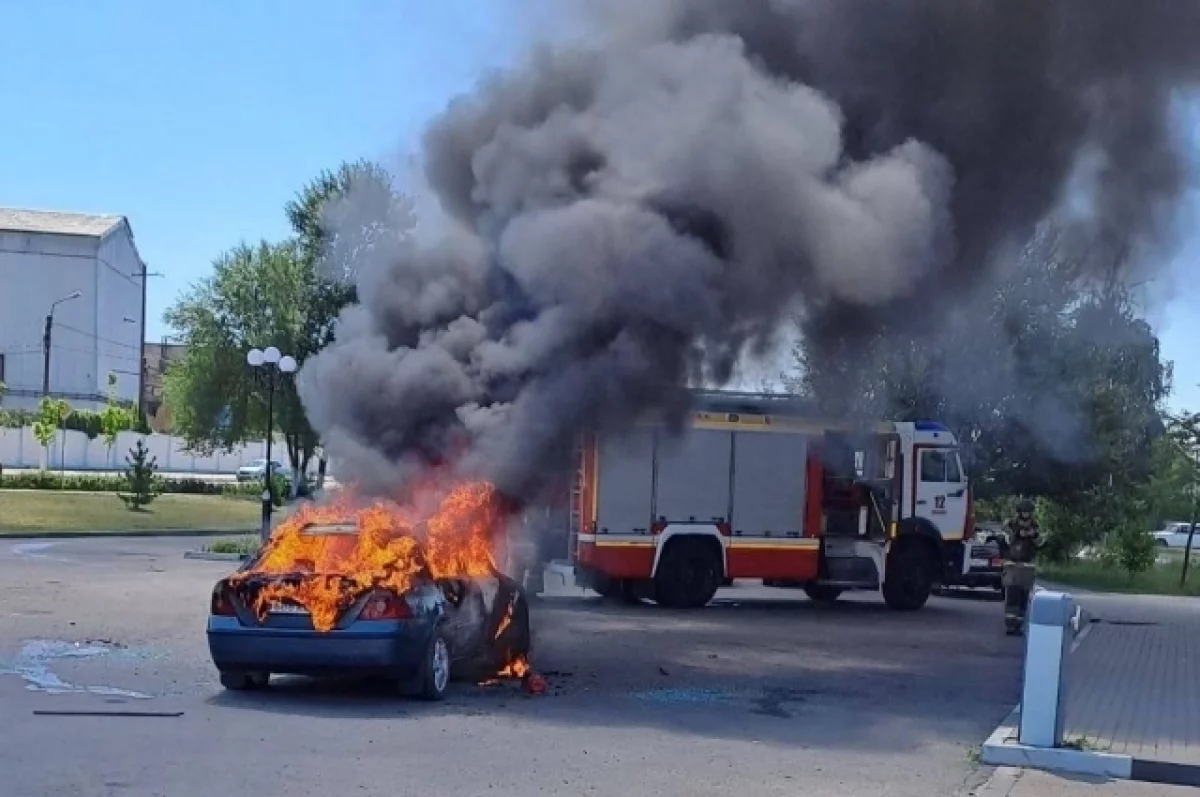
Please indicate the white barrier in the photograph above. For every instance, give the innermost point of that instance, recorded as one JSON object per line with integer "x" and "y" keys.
{"x": 73, "y": 450}
{"x": 1047, "y": 651}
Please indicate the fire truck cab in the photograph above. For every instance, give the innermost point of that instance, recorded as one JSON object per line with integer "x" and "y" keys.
{"x": 752, "y": 488}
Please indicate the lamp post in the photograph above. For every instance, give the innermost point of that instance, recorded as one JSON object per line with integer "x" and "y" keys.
{"x": 272, "y": 363}
{"x": 46, "y": 339}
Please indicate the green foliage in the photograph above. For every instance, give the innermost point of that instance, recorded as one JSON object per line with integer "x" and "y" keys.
{"x": 114, "y": 418}
{"x": 240, "y": 545}
{"x": 1135, "y": 550}
{"x": 50, "y": 416}
{"x": 140, "y": 476}
{"x": 104, "y": 483}
{"x": 285, "y": 294}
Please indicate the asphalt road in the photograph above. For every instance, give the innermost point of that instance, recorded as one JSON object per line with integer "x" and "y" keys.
{"x": 760, "y": 694}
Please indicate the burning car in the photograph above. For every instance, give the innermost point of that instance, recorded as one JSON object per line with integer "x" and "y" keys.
{"x": 374, "y": 592}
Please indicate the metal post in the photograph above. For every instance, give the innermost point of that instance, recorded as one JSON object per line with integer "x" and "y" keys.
{"x": 267, "y": 475}
{"x": 46, "y": 346}
{"x": 1043, "y": 694}
{"x": 1187, "y": 551}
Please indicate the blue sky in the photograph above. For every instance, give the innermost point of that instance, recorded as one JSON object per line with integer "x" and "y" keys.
{"x": 199, "y": 120}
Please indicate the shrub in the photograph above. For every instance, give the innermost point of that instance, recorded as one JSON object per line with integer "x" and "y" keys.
{"x": 242, "y": 545}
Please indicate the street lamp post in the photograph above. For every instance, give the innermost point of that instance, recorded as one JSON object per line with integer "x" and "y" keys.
{"x": 272, "y": 363}
{"x": 46, "y": 335}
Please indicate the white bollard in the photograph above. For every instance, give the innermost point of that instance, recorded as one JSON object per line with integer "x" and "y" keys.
{"x": 1043, "y": 695}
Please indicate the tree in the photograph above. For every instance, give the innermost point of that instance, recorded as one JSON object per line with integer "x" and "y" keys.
{"x": 114, "y": 418}
{"x": 286, "y": 295}
{"x": 140, "y": 473}
{"x": 344, "y": 218}
{"x": 50, "y": 415}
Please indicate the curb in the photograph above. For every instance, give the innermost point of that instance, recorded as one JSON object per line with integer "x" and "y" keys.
{"x": 82, "y": 535}
{"x": 209, "y": 556}
{"x": 1003, "y": 749}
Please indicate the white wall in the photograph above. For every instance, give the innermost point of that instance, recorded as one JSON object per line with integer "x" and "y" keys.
{"x": 73, "y": 451}
{"x": 119, "y": 296}
{"x": 35, "y": 270}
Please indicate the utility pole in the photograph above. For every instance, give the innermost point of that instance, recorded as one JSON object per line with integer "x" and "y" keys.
{"x": 46, "y": 355}
{"x": 47, "y": 334}
{"x": 141, "y": 402}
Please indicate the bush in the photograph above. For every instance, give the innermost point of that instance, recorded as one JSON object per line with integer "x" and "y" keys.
{"x": 1135, "y": 550}
{"x": 242, "y": 545}
{"x": 106, "y": 483}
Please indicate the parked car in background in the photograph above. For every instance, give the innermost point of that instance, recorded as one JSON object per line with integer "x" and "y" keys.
{"x": 1175, "y": 535}
{"x": 255, "y": 470}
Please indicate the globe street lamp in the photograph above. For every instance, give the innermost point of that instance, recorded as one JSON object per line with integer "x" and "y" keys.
{"x": 271, "y": 363}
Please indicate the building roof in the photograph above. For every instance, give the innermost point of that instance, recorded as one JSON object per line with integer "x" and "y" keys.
{"x": 56, "y": 222}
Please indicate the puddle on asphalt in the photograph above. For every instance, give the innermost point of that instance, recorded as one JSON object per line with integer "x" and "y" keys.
{"x": 36, "y": 550}
{"x": 769, "y": 701}
{"x": 687, "y": 695}
{"x": 34, "y": 660}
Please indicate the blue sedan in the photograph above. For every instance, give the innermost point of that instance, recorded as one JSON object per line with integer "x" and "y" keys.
{"x": 439, "y": 629}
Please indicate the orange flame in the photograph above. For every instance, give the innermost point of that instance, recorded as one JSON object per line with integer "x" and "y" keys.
{"x": 326, "y": 573}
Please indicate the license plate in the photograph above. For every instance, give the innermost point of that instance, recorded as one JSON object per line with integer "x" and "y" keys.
{"x": 287, "y": 608}
{"x": 979, "y": 563}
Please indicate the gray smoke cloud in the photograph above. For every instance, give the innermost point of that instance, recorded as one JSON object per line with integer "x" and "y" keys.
{"x": 634, "y": 213}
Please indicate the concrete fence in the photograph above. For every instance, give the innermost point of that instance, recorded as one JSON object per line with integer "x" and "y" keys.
{"x": 72, "y": 450}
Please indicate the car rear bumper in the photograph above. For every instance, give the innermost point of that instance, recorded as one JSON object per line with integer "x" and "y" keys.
{"x": 394, "y": 648}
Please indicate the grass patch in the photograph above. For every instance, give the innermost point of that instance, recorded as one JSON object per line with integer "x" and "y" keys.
{"x": 242, "y": 545}
{"x": 1161, "y": 579}
{"x": 50, "y": 512}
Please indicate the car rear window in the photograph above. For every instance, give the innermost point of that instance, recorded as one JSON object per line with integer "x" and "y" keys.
{"x": 324, "y": 529}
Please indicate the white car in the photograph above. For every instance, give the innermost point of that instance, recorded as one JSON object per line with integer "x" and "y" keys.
{"x": 256, "y": 468}
{"x": 1175, "y": 535}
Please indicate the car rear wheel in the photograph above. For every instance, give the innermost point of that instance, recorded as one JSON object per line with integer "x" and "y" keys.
{"x": 435, "y": 670}
{"x": 244, "y": 681}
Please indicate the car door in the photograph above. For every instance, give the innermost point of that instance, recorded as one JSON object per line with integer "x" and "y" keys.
{"x": 941, "y": 491}
{"x": 465, "y": 615}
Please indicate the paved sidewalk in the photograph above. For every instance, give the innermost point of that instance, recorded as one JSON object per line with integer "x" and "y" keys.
{"x": 1008, "y": 782}
{"x": 1133, "y": 688}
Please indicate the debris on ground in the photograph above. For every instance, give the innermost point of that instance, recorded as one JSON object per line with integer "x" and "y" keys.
{"x": 69, "y": 713}
{"x": 534, "y": 684}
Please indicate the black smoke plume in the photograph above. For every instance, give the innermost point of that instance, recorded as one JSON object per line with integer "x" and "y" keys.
{"x": 636, "y": 213}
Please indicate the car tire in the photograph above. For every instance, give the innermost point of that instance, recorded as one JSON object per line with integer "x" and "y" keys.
{"x": 434, "y": 678}
{"x": 244, "y": 681}
{"x": 688, "y": 575}
{"x": 822, "y": 593}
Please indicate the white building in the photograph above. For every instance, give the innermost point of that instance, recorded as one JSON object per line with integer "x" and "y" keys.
{"x": 85, "y": 272}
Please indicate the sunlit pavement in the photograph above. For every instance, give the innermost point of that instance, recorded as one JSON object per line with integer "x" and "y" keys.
{"x": 762, "y": 693}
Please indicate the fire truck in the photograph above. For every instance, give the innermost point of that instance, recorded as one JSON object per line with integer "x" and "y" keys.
{"x": 754, "y": 488}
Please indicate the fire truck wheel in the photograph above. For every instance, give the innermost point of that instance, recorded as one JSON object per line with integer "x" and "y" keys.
{"x": 688, "y": 575}
{"x": 606, "y": 586}
{"x": 822, "y": 593}
{"x": 909, "y": 580}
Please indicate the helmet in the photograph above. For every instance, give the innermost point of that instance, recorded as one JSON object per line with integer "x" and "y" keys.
{"x": 1024, "y": 507}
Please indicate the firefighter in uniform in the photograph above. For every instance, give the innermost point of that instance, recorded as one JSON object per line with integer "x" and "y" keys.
{"x": 1019, "y": 571}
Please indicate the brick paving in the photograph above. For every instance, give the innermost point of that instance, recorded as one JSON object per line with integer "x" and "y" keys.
{"x": 1133, "y": 688}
